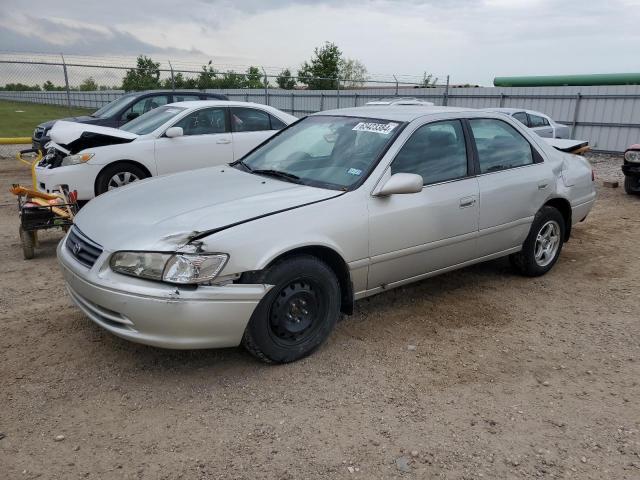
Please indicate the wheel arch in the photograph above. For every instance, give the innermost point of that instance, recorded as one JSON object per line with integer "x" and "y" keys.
{"x": 564, "y": 207}
{"x": 335, "y": 261}
{"x": 119, "y": 162}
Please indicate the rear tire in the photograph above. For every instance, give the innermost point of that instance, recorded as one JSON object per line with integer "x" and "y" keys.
{"x": 118, "y": 175}
{"x": 543, "y": 245}
{"x": 299, "y": 312}
{"x": 28, "y": 241}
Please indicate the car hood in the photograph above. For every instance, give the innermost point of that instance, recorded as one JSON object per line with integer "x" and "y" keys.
{"x": 77, "y": 136}
{"x": 165, "y": 213}
{"x": 79, "y": 119}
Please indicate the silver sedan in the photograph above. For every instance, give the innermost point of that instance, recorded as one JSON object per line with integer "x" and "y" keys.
{"x": 344, "y": 204}
{"x": 542, "y": 124}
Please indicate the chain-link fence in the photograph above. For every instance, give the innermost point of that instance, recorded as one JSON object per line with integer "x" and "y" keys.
{"x": 607, "y": 116}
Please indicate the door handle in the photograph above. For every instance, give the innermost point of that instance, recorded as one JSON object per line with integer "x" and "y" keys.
{"x": 223, "y": 141}
{"x": 467, "y": 202}
{"x": 542, "y": 186}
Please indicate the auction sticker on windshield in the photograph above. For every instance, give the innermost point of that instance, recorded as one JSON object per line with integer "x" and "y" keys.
{"x": 384, "y": 128}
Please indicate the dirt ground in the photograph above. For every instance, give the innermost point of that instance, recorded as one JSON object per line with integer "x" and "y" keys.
{"x": 475, "y": 374}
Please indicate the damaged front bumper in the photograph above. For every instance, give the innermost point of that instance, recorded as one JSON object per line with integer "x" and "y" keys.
{"x": 156, "y": 313}
{"x": 76, "y": 177}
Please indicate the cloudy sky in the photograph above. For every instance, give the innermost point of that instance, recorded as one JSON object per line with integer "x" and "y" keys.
{"x": 472, "y": 40}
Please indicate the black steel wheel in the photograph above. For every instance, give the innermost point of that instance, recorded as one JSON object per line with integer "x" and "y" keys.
{"x": 297, "y": 314}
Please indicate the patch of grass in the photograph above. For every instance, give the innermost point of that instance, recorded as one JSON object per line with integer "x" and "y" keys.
{"x": 16, "y": 123}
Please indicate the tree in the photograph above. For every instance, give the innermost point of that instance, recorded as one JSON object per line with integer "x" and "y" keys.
{"x": 428, "y": 80}
{"x": 254, "y": 78}
{"x": 88, "y": 85}
{"x": 21, "y": 87}
{"x": 353, "y": 73}
{"x": 322, "y": 71}
{"x": 146, "y": 75}
{"x": 50, "y": 87}
{"x": 285, "y": 80}
{"x": 207, "y": 77}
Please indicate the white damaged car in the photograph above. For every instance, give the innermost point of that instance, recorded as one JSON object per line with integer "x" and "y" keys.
{"x": 176, "y": 137}
{"x": 339, "y": 206}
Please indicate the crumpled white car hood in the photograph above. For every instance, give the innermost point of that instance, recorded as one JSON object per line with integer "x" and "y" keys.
{"x": 64, "y": 132}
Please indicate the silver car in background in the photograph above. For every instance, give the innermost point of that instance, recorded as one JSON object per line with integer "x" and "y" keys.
{"x": 540, "y": 123}
{"x": 339, "y": 206}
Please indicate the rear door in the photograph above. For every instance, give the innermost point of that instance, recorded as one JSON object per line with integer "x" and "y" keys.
{"x": 514, "y": 183}
{"x": 418, "y": 233}
{"x": 250, "y": 127}
{"x": 206, "y": 142}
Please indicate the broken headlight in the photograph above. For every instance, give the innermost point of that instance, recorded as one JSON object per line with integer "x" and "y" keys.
{"x": 184, "y": 268}
{"x": 76, "y": 159}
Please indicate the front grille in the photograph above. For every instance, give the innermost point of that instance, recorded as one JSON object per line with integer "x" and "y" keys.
{"x": 82, "y": 249}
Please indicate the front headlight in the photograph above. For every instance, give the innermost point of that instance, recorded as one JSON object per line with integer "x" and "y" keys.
{"x": 632, "y": 156}
{"x": 183, "y": 268}
{"x": 76, "y": 159}
{"x": 193, "y": 268}
{"x": 140, "y": 264}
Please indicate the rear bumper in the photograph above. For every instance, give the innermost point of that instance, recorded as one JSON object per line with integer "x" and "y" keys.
{"x": 158, "y": 314}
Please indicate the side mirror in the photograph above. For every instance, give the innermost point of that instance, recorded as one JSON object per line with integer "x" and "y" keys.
{"x": 401, "y": 183}
{"x": 174, "y": 132}
{"x": 132, "y": 115}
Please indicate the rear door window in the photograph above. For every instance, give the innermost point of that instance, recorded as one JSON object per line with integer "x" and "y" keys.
{"x": 249, "y": 120}
{"x": 499, "y": 145}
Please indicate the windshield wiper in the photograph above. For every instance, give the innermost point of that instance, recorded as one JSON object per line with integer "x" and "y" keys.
{"x": 277, "y": 173}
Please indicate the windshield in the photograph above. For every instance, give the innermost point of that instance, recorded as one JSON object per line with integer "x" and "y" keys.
{"x": 151, "y": 120}
{"x": 325, "y": 151}
{"x": 110, "y": 108}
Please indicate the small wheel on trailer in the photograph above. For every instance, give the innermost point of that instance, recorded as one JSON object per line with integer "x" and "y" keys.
{"x": 28, "y": 240}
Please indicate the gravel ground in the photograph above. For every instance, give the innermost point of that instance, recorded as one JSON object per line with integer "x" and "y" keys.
{"x": 476, "y": 373}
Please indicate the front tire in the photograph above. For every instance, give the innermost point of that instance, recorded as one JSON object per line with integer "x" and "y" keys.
{"x": 631, "y": 185}
{"x": 543, "y": 245}
{"x": 297, "y": 314}
{"x": 118, "y": 175}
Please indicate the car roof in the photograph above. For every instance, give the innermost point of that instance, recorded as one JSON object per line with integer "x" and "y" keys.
{"x": 219, "y": 103}
{"x": 513, "y": 110}
{"x": 398, "y": 113}
{"x": 169, "y": 92}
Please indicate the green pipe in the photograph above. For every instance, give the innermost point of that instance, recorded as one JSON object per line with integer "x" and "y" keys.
{"x": 569, "y": 80}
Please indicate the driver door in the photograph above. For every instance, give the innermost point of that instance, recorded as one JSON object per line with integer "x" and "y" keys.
{"x": 206, "y": 142}
{"x": 418, "y": 233}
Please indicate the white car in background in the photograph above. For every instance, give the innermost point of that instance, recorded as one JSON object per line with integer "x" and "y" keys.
{"x": 540, "y": 123}
{"x": 172, "y": 138}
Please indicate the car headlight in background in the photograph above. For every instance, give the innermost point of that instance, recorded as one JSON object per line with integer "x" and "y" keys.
{"x": 632, "y": 156}
{"x": 76, "y": 159}
{"x": 182, "y": 268}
